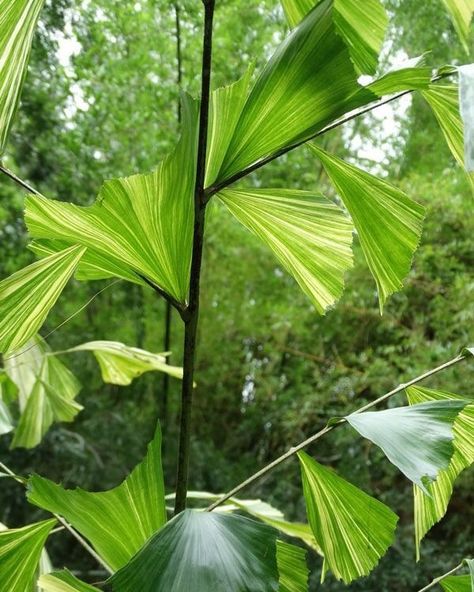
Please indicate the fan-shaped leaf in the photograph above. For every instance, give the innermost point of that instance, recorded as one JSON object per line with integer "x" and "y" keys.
{"x": 17, "y": 25}
{"x": 27, "y": 296}
{"x": 142, "y": 224}
{"x": 457, "y": 584}
{"x": 117, "y": 522}
{"x": 203, "y": 551}
{"x": 292, "y": 568}
{"x": 353, "y": 529}
{"x": 461, "y": 13}
{"x": 430, "y": 509}
{"x": 120, "y": 364}
{"x": 64, "y": 581}
{"x": 388, "y": 222}
{"x": 20, "y": 552}
{"x": 309, "y": 235}
{"x": 418, "y": 439}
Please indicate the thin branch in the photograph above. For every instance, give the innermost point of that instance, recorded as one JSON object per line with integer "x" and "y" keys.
{"x": 18, "y": 181}
{"x": 440, "y": 578}
{"x": 62, "y": 521}
{"x": 191, "y": 322}
{"x": 328, "y": 428}
{"x": 213, "y": 189}
{"x": 179, "y": 306}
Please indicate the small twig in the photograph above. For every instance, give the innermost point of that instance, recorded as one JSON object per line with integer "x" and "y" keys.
{"x": 18, "y": 181}
{"x": 292, "y": 451}
{"x": 438, "y": 580}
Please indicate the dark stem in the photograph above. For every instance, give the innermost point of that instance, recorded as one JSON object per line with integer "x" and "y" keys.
{"x": 18, "y": 181}
{"x": 191, "y": 319}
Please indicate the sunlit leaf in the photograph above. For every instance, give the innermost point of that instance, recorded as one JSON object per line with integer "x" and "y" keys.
{"x": 430, "y": 509}
{"x": 64, "y": 581}
{"x": 466, "y": 104}
{"x": 461, "y": 12}
{"x": 17, "y": 25}
{"x": 46, "y": 388}
{"x": 388, "y": 222}
{"x": 458, "y": 584}
{"x": 310, "y": 236}
{"x": 117, "y": 522}
{"x": 27, "y": 296}
{"x": 203, "y": 551}
{"x": 353, "y": 529}
{"x": 292, "y": 568}
{"x": 417, "y": 439}
{"x": 120, "y": 363}
{"x": 142, "y": 224}
{"x": 296, "y": 10}
{"x": 20, "y": 552}
{"x": 6, "y": 422}
{"x": 410, "y": 75}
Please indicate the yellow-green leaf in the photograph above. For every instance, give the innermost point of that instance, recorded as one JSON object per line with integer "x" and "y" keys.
{"x": 28, "y": 295}
{"x": 461, "y": 12}
{"x": 292, "y": 569}
{"x": 64, "y": 581}
{"x": 310, "y": 236}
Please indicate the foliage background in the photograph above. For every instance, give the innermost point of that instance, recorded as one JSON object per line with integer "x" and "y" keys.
{"x": 270, "y": 371}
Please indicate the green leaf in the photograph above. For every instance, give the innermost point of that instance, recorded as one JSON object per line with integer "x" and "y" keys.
{"x": 308, "y": 82}
{"x": 142, "y": 224}
{"x": 292, "y": 568}
{"x": 388, "y": 222}
{"x": 46, "y": 388}
{"x": 120, "y": 364}
{"x": 310, "y": 236}
{"x": 17, "y": 25}
{"x": 461, "y": 14}
{"x": 27, "y": 296}
{"x": 6, "y": 422}
{"x": 417, "y": 439}
{"x": 466, "y": 102}
{"x": 457, "y": 584}
{"x": 430, "y": 509}
{"x": 353, "y": 529}
{"x": 410, "y": 75}
{"x": 296, "y": 10}
{"x": 64, "y": 581}
{"x": 203, "y": 551}
{"x": 20, "y": 552}
{"x": 119, "y": 521}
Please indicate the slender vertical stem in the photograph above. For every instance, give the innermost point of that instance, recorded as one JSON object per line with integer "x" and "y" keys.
{"x": 192, "y": 316}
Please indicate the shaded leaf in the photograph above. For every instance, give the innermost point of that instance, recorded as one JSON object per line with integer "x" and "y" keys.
{"x": 388, "y": 222}
{"x": 417, "y": 439}
{"x": 27, "y": 296}
{"x": 142, "y": 224}
{"x": 203, "y": 551}
{"x": 20, "y": 552}
{"x": 461, "y": 14}
{"x": 120, "y": 363}
{"x": 353, "y": 529}
{"x": 310, "y": 236}
{"x": 430, "y": 509}
{"x": 17, "y": 25}
{"x": 117, "y": 522}
{"x": 292, "y": 568}
{"x": 64, "y": 581}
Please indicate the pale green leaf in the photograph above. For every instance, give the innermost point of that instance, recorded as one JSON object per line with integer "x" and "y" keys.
{"x": 6, "y": 422}
{"x": 17, "y": 25}
{"x": 417, "y": 439}
{"x": 410, "y": 75}
{"x": 353, "y": 529}
{"x": 292, "y": 568}
{"x": 142, "y": 224}
{"x": 461, "y": 12}
{"x": 388, "y": 222}
{"x": 430, "y": 509}
{"x": 117, "y": 522}
{"x": 20, "y": 552}
{"x": 466, "y": 106}
{"x": 204, "y": 551}
{"x": 120, "y": 363}
{"x": 64, "y": 581}
{"x": 47, "y": 391}
{"x": 27, "y": 296}
{"x": 310, "y": 236}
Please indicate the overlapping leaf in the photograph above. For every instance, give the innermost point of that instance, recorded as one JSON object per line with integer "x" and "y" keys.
{"x": 388, "y": 222}
{"x": 353, "y": 529}
{"x": 17, "y": 25}
{"x": 46, "y": 390}
{"x": 430, "y": 509}
{"x": 310, "y": 236}
{"x": 117, "y": 522}
{"x": 6, "y": 421}
{"x": 417, "y": 439}
{"x": 141, "y": 224}
{"x": 20, "y": 552}
{"x": 292, "y": 569}
{"x": 203, "y": 551}
{"x": 120, "y": 363}
{"x": 64, "y": 581}
{"x": 27, "y": 296}
{"x": 461, "y": 12}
